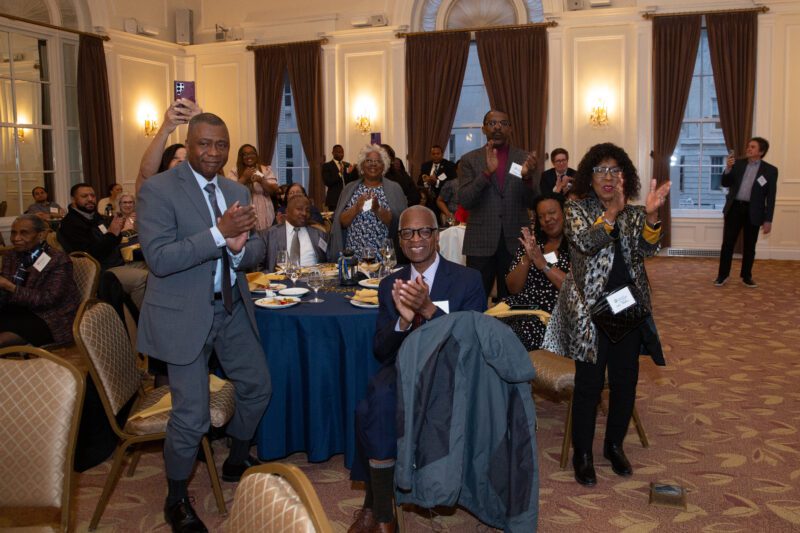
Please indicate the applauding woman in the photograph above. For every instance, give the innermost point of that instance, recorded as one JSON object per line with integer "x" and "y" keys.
{"x": 608, "y": 241}
{"x": 261, "y": 182}
{"x": 538, "y": 269}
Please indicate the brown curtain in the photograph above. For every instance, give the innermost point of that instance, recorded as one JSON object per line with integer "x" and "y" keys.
{"x": 435, "y": 66}
{"x": 732, "y": 43}
{"x": 515, "y": 70}
{"x": 675, "y": 42}
{"x": 304, "y": 63}
{"x": 94, "y": 115}
{"x": 270, "y": 71}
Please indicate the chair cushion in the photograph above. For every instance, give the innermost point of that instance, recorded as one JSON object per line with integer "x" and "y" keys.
{"x": 554, "y": 373}
{"x": 267, "y": 502}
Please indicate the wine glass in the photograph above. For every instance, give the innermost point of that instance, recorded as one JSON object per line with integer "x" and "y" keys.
{"x": 389, "y": 256}
{"x": 281, "y": 260}
{"x": 293, "y": 271}
{"x": 315, "y": 281}
{"x": 368, "y": 259}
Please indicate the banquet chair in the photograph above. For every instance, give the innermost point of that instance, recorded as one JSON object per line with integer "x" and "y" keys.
{"x": 276, "y": 497}
{"x": 40, "y": 404}
{"x": 86, "y": 271}
{"x": 101, "y": 337}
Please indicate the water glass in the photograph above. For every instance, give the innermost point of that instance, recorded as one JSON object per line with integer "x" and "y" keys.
{"x": 368, "y": 260}
{"x": 293, "y": 271}
{"x": 315, "y": 281}
{"x": 281, "y": 260}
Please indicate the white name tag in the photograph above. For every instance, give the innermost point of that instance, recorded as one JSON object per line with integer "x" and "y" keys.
{"x": 41, "y": 262}
{"x": 761, "y": 181}
{"x": 444, "y": 305}
{"x": 551, "y": 258}
{"x": 620, "y": 300}
{"x": 53, "y": 210}
{"x": 103, "y": 229}
{"x": 515, "y": 170}
{"x": 322, "y": 244}
{"x": 441, "y": 177}
{"x": 367, "y": 205}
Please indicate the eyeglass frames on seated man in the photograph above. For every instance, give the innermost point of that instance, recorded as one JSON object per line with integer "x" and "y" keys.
{"x": 424, "y": 233}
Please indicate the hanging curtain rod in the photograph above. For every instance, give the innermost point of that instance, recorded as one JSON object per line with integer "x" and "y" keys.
{"x": 760, "y": 9}
{"x": 276, "y": 45}
{"x": 549, "y": 24}
{"x": 54, "y": 27}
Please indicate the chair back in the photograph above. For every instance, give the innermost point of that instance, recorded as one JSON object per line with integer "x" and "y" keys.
{"x": 40, "y": 404}
{"x": 276, "y": 497}
{"x": 101, "y": 336}
{"x": 86, "y": 271}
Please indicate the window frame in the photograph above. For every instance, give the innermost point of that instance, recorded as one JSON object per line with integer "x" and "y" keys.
{"x": 286, "y": 174}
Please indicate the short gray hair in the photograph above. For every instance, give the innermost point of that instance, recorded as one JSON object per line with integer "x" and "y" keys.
{"x": 422, "y": 208}
{"x": 368, "y": 148}
{"x": 39, "y": 225}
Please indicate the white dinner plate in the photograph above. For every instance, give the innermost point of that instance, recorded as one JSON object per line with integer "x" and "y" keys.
{"x": 371, "y": 283}
{"x": 363, "y": 305}
{"x": 293, "y": 291}
{"x": 278, "y": 302}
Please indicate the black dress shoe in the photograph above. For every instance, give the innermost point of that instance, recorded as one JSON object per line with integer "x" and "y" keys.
{"x": 619, "y": 463}
{"x": 583, "y": 464}
{"x": 182, "y": 518}
{"x": 233, "y": 473}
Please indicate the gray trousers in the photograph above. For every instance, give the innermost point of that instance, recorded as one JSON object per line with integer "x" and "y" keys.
{"x": 242, "y": 358}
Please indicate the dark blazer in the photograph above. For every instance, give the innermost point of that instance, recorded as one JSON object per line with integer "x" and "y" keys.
{"x": 491, "y": 210}
{"x": 79, "y": 234}
{"x": 276, "y": 240}
{"x": 448, "y": 168}
{"x": 51, "y": 294}
{"x": 460, "y": 286}
{"x": 548, "y": 180}
{"x": 334, "y": 182}
{"x": 174, "y": 222}
{"x": 762, "y": 197}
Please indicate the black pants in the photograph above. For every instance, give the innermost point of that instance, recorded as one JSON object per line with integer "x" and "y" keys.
{"x": 622, "y": 361}
{"x": 738, "y": 219}
{"x": 493, "y": 266}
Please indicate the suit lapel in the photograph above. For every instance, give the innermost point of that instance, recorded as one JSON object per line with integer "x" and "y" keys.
{"x": 442, "y": 281}
{"x": 193, "y": 192}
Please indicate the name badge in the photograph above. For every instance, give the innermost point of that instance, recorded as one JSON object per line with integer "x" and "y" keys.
{"x": 53, "y": 210}
{"x": 515, "y": 170}
{"x": 322, "y": 244}
{"x": 444, "y": 305}
{"x": 441, "y": 177}
{"x": 103, "y": 229}
{"x": 41, "y": 262}
{"x": 761, "y": 181}
{"x": 367, "y": 205}
{"x": 620, "y": 300}
{"x": 551, "y": 258}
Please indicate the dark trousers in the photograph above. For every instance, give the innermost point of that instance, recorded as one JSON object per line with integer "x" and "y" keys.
{"x": 493, "y": 266}
{"x": 622, "y": 361}
{"x": 738, "y": 219}
{"x": 376, "y": 422}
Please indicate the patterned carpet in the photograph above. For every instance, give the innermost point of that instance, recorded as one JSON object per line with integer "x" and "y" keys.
{"x": 722, "y": 419}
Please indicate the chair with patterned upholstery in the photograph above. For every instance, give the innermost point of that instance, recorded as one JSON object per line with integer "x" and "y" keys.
{"x": 86, "y": 271}
{"x": 101, "y": 337}
{"x": 40, "y": 404}
{"x": 276, "y": 497}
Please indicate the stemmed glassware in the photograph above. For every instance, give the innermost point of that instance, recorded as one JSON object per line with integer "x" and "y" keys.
{"x": 293, "y": 271}
{"x": 281, "y": 260}
{"x": 315, "y": 281}
{"x": 388, "y": 255}
{"x": 368, "y": 259}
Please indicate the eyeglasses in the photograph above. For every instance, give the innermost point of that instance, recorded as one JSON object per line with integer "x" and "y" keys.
{"x": 408, "y": 233}
{"x": 373, "y": 161}
{"x": 493, "y": 123}
{"x": 602, "y": 171}
{"x": 559, "y": 161}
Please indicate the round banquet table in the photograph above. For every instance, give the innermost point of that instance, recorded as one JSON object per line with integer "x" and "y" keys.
{"x": 320, "y": 359}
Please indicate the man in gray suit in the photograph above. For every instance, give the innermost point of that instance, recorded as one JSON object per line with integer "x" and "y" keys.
{"x": 195, "y": 231}
{"x": 496, "y": 186}
{"x": 312, "y": 244}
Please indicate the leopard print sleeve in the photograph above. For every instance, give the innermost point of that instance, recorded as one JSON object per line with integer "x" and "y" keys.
{"x": 580, "y": 227}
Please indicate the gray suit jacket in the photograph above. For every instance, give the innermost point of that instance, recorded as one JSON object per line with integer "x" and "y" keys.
{"x": 491, "y": 210}
{"x": 174, "y": 231}
{"x": 276, "y": 240}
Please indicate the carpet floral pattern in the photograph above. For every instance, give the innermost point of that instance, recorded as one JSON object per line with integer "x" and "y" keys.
{"x": 722, "y": 419}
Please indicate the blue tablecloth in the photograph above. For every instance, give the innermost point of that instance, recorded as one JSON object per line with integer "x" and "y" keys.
{"x": 320, "y": 358}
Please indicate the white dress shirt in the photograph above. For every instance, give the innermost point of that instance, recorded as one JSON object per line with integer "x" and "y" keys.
{"x": 308, "y": 257}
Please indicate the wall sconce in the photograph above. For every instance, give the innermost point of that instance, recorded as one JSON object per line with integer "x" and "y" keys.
{"x": 150, "y": 126}
{"x": 21, "y": 135}
{"x": 598, "y": 118}
{"x": 363, "y": 124}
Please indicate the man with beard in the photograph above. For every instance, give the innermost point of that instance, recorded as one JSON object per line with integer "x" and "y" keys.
{"x": 336, "y": 173}
{"x": 84, "y": 230}
{"x": 497, "y": 188}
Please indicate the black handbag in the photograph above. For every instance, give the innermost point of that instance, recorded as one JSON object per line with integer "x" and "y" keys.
{"x": 617, "y": 325}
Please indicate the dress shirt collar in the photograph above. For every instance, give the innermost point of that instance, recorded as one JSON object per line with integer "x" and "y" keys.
{"x": 202, "y": 181}
{"x": 430, "y": 273}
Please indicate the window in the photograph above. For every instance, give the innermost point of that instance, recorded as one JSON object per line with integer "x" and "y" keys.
{"x": 287, "y": 166}
{"x": 700, "y": 153}
{"x": 473, "y": 104}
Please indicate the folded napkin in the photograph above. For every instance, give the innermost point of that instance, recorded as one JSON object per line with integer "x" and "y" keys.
{"x": 163, "y": 405}
{"x": 127, "y": 252}
{"x": 368, "y": 296}
{"x": 503, "y": 309}
{"x": 256, "y": 280}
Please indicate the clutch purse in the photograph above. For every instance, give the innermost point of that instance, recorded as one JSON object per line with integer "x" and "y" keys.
{"x": 617, "y": 325}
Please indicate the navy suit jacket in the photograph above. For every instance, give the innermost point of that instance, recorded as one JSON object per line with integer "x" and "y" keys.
{"x": 460, "y": 286}
{"x": 762, "y": 197}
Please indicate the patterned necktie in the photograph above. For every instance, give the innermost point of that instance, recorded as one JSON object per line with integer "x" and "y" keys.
{"x": 227, "y": 294}
{"x": 294, "y": 249}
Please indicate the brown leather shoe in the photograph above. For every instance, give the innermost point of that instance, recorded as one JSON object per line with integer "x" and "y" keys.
{"x": 385, "y": 527}
{"x": 364, "y": 521}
